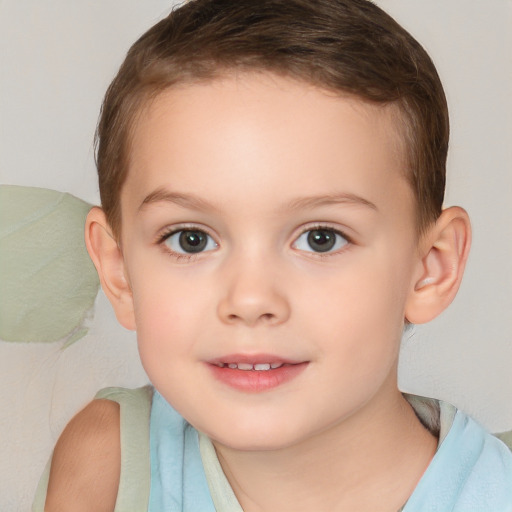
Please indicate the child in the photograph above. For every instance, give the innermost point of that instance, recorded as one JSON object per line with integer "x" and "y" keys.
{"x": 272, "y": 177}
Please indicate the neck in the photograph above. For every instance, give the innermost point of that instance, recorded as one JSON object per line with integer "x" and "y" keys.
{"x": 371, "y": 461}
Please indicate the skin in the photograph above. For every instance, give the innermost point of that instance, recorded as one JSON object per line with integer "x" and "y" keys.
{"x": 86, "y": 462}
{"x": 255, "y": 161}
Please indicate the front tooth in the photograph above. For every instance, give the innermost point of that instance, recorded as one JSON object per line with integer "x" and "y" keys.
{"x": 262, "y": 366}
{"x": 244, "y": 366}
{"x": 233, "y": 366}
{"x": 275, "y": 365}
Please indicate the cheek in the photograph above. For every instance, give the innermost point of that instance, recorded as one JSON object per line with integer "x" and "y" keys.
{"x": 161, "y": 317}
{"x": 164, "y": 308}
{"x": 368, "y": 289}
{"x": 360, "y": 313}
{"x": 173, "y": 313}
{"x": 166, "y": 336}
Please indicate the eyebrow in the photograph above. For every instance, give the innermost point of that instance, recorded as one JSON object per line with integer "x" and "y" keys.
{"x": 197, "y": 203}
{"x": 328, "y": 200}
{"x": 185, "y": 200}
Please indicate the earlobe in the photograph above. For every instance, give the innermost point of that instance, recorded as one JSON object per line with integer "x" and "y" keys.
{"x": 444, "y": 252}
{"x": 108, "y": 260}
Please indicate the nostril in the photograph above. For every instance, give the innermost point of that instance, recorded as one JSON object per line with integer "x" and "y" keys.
{"x": 265, "y": 317}
{"x": 251, "y": 306}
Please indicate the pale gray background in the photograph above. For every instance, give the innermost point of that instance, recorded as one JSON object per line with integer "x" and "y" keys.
{"x": 56, "y": 59}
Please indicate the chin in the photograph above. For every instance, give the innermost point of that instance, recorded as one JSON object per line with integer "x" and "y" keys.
{"x": 266, "y": 438}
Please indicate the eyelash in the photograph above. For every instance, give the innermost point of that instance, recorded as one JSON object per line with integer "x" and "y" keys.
{"x": 178, "y": 256}
{"x": 323, "y": 227}
{"x": 181, "y": 257}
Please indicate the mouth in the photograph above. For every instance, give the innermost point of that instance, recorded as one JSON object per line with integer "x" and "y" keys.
{"x": 258, "y": 367}
{"x": 255, "y": 374}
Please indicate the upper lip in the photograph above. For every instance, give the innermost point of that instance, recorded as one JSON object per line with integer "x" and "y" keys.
{"x": 253, "y": 359}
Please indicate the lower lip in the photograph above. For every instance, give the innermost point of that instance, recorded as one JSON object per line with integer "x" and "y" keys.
{"x": 256, "y": 381}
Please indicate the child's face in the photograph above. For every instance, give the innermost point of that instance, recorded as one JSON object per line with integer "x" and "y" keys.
{"x": 302, "y": 224}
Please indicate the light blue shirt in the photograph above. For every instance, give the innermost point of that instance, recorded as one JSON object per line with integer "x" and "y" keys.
{"x": 470, "y": 472}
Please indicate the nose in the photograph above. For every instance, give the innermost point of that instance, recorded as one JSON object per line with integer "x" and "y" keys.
{"x": 252, "y": 294}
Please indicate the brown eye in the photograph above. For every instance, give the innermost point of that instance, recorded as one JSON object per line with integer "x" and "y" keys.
{"x": 193, "y": 241}
{"x": 320, "y": 240}
{"x": 190, "y": 241}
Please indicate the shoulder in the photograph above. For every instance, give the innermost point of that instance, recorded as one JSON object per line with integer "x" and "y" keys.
{"x": 506, "y": 437}
{"x": 86, "y": 461}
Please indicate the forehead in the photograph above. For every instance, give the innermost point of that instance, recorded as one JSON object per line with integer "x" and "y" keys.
{"x": 254, "y": 131}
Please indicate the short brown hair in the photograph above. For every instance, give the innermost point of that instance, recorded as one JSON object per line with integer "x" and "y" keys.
{"x": 347, "y": 46}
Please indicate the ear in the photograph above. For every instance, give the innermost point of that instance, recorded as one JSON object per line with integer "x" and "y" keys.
{"x": 108, "y": 260}
{"x": 444, "y": 251}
